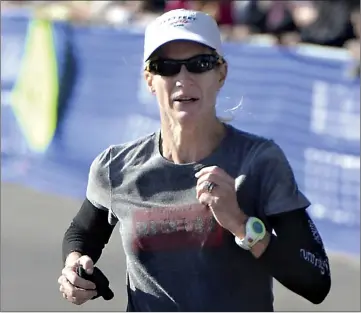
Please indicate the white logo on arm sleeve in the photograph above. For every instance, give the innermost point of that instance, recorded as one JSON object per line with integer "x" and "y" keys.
{"x": 321, "y": 263}
{"x": 316, "y": 235}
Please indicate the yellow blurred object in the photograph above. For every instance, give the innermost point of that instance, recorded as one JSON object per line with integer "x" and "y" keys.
{"x": 35, "y": 96}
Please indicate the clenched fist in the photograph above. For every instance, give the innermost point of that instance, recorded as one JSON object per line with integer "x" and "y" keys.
{"x": 75, "y": 289}
{"x": 217, "y": 190}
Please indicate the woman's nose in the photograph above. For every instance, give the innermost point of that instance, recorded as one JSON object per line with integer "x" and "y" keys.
{"x": 184, "y": 76}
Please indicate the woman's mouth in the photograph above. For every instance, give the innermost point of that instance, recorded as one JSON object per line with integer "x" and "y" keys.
{"x": 185, "y": 100}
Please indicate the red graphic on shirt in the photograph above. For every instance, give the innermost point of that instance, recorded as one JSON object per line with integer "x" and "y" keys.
{"x": 175, "y": 227}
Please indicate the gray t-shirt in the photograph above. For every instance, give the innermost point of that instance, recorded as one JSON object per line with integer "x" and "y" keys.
{"x": 178, "y": 258}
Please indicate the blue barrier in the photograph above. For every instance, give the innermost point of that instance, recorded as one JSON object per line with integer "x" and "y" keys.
{"x": 13, "y": 37}
{"x": 307, "y": 104}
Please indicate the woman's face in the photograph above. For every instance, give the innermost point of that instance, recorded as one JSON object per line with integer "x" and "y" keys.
{"x": 173, "y": 92}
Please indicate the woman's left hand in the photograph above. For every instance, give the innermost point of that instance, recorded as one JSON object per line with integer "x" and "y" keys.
{"x": 221, "y": 199}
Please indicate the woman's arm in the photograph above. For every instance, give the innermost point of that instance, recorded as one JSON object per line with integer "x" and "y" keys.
{"x": 296, "y": 256}
{"x": 88, "y": 233}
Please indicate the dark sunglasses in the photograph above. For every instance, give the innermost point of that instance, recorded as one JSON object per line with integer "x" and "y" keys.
{"x": 197, "y": 64}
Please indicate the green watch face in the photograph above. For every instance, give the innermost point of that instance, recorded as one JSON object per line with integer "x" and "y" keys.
{"x": 257, "y": 227}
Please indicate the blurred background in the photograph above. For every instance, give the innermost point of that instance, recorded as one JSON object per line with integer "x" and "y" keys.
{"x": 71, "y": 85}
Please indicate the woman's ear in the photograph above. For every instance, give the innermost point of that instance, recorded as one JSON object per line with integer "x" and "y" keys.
{"x": 149, "y": 80}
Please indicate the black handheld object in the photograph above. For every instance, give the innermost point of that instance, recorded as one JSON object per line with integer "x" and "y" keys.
{"x": 100, "y": 281}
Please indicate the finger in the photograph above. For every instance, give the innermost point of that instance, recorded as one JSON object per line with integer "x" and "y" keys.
{"x": 80, "y": 300}
{"x": 216, "y": 179}
{"x": 75, "y": 292}
{"x": 219, "y": 189}
{"x": 69, "y": 289}
{"x": 206, "y": 199}
{"x": 87, "y": 295}
{"x": 216, "y": 171}
{"x": 60, "y": 279}
{"x": 219, "y": 180}
{"x": 203, "y": 188}
{"x": 72, "y": 277}
{"x": 206, "y": 169}
{"x": 74, "y": 300}
{"x": 77, "y": 300}
{"x": 212, "y": 169}
{"x": 87, "y": 263}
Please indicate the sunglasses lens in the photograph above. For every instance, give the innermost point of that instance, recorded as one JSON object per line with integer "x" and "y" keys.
{"x": 198, "y": 64}
{"x": 165, "y": 67}
{"x": 201, "y": 64}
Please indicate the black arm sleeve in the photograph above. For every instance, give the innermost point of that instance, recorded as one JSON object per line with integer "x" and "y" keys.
{"x": 296, "y": 256}
{"x": 88, "y": 233}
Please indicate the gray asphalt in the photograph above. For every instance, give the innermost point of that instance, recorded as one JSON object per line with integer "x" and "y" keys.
{"x": 32, "y": 226}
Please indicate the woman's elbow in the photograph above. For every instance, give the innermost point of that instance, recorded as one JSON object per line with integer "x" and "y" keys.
{"x": 318, "y": 291}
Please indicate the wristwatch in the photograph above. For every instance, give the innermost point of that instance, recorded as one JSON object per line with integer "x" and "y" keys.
{"x": 255, "y": 231}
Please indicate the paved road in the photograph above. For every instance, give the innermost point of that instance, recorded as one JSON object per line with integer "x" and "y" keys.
{"x": 32, "y": 225}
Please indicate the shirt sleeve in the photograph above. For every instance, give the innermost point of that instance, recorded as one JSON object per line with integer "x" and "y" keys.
{"x": 278, "y": 187}
{"x": 98, "y": 190}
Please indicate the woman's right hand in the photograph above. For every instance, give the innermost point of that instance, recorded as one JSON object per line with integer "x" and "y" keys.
{"x": 75, "y": 289}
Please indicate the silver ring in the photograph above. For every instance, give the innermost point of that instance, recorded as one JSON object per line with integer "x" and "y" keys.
{"x": 210, "y": 186}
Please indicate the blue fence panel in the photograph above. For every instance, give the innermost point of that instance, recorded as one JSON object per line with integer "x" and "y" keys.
{"x": 307, "y": 104}
{"x": 13, "y": 144}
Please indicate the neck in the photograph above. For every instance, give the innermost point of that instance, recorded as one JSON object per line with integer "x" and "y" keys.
{"x": 190, "y": 144}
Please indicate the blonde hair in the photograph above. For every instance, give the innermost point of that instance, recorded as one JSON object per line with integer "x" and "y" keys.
{"x": 231, "y": 111}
